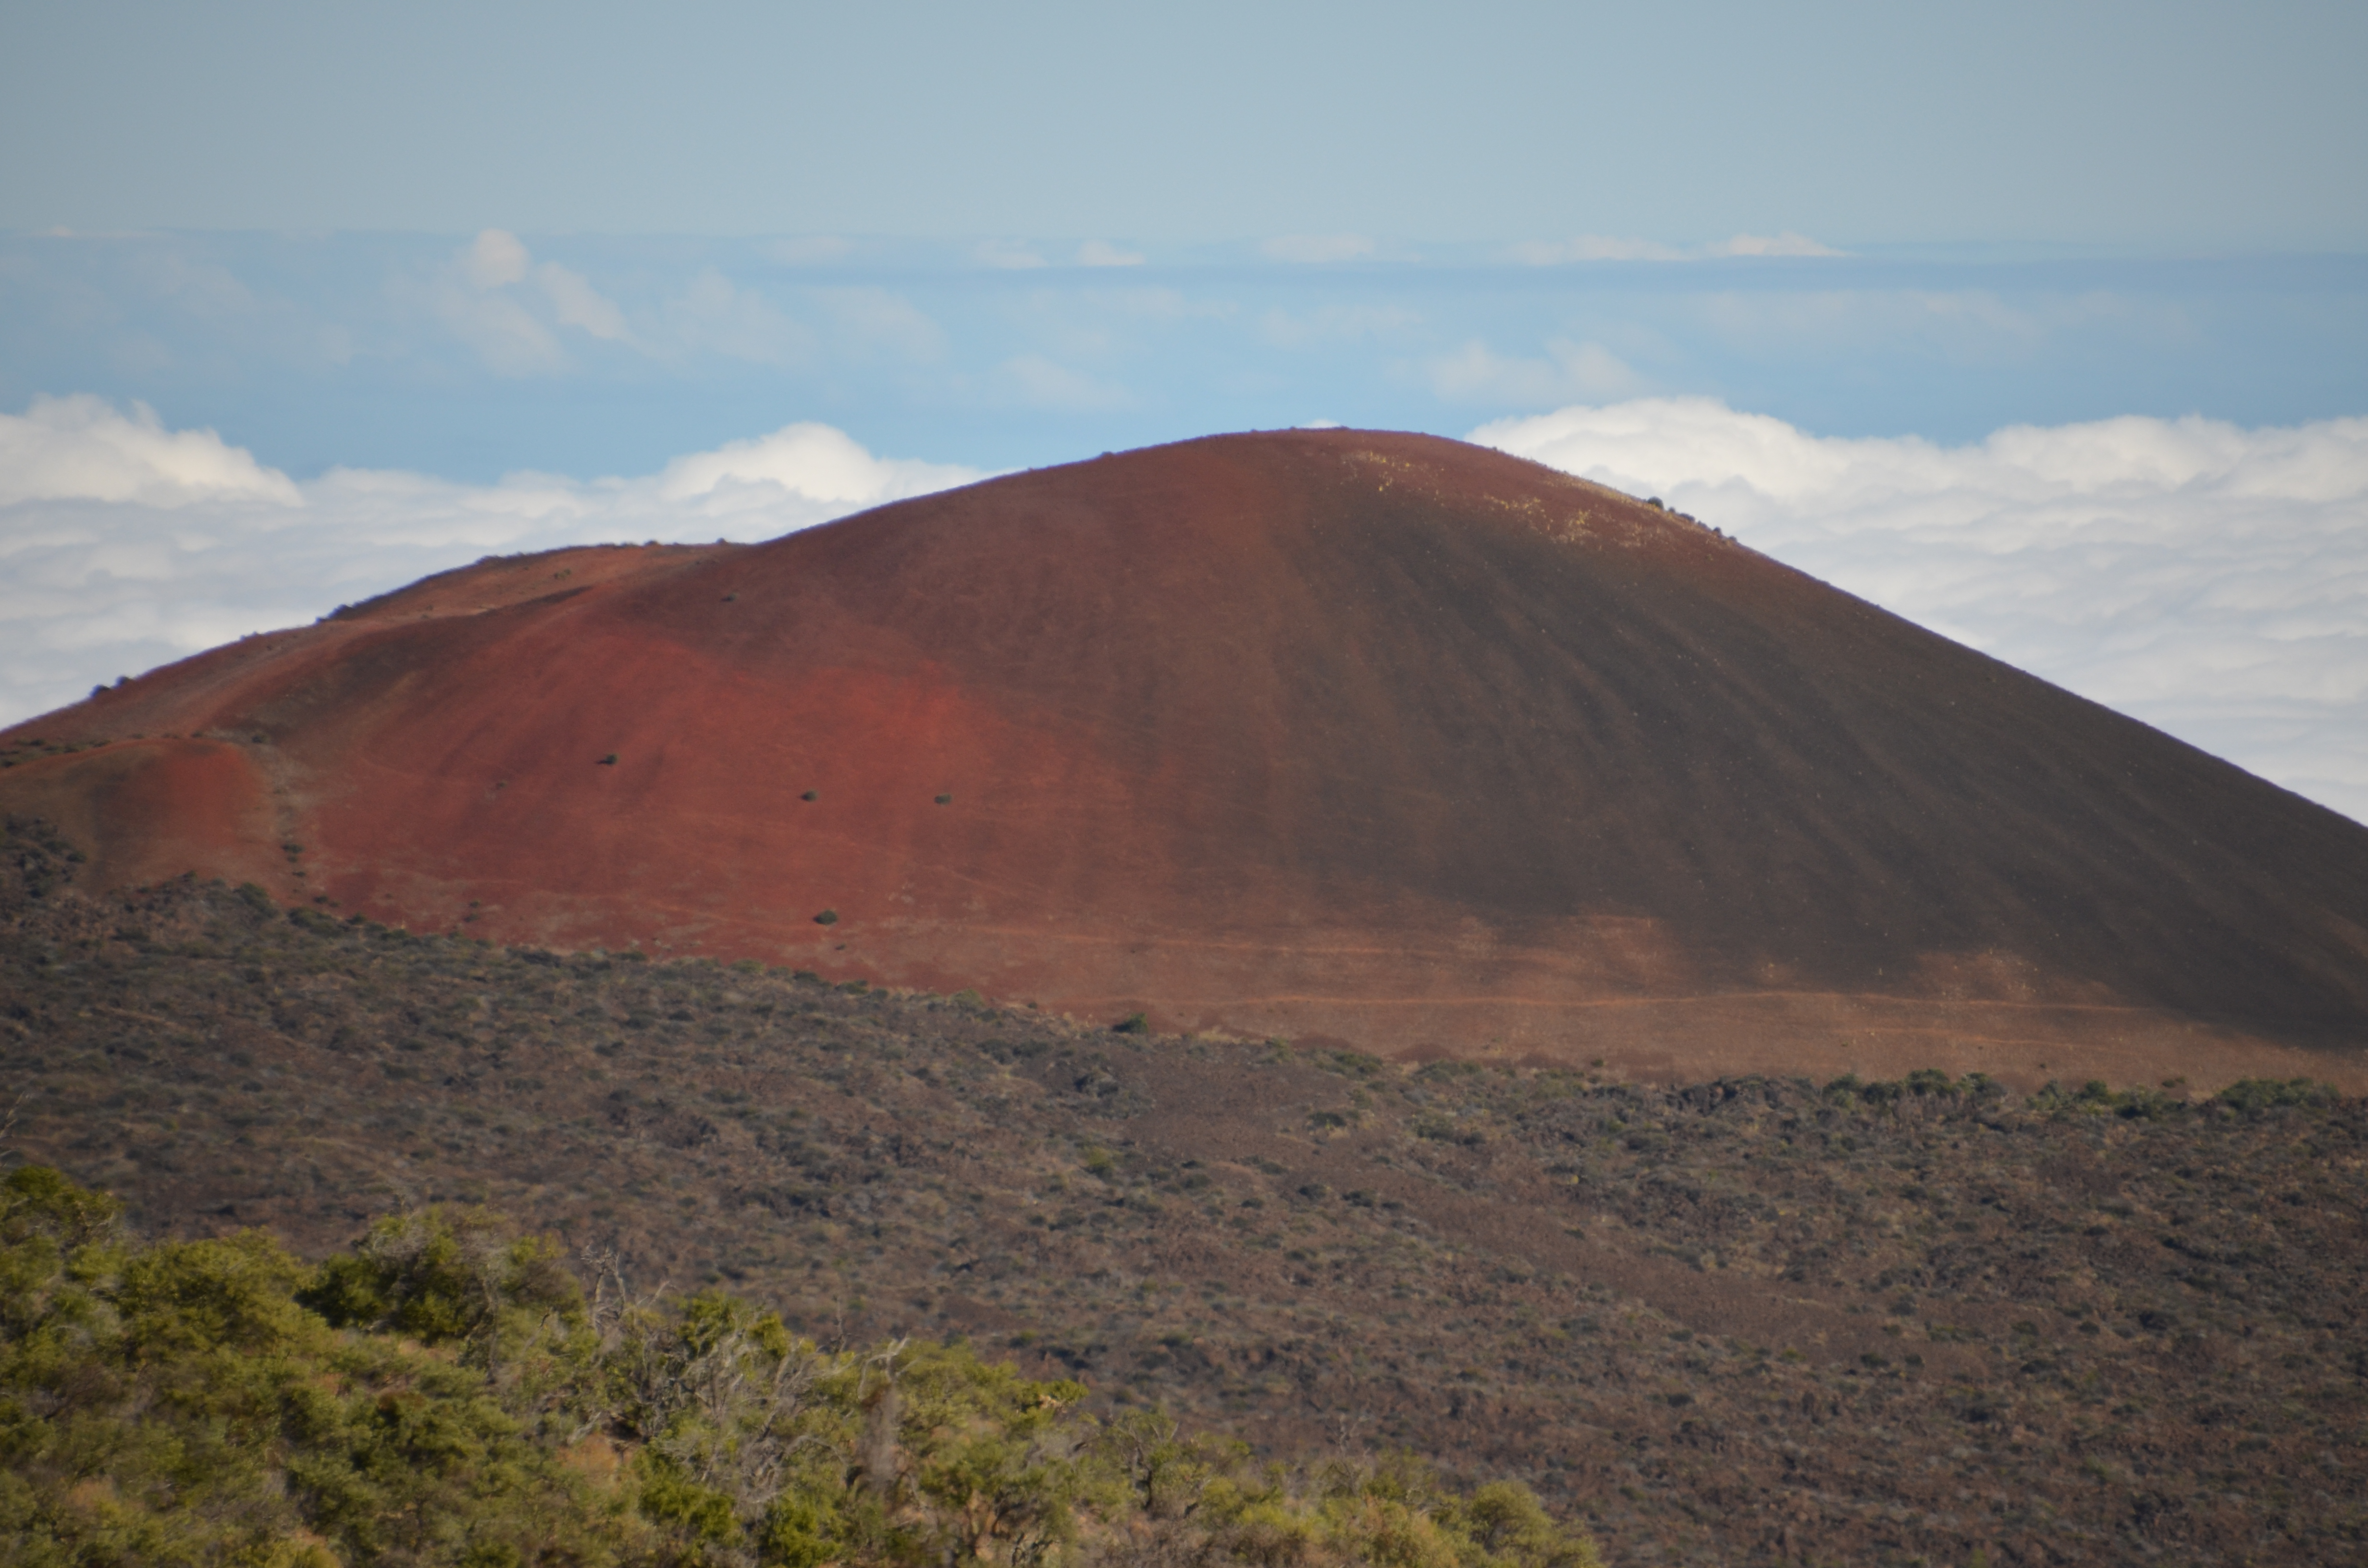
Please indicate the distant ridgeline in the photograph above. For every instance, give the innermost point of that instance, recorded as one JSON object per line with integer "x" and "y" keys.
{"x": 1753, "y": 1318}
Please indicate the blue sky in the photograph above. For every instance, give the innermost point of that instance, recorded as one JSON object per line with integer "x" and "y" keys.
{"x": 2166, "y": 126}
{"x": 589, "y": 355}
{"x": 448, "y": 279}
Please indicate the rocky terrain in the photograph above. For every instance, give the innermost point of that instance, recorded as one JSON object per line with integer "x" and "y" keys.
{"x": 1756, "y": 1318}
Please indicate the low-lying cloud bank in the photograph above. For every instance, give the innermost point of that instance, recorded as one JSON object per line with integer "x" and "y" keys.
{"x": 124, "y": 545}
{"x": 2210, "y": 580}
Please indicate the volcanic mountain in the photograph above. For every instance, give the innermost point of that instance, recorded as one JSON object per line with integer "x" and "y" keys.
{"x": 1378, "y": 739}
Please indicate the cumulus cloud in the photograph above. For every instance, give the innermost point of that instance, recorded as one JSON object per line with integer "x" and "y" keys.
{"x": 69, "y": 448}
{"x": 2208, "y": 579}
{"x": 1314, "y": 249}
{"x": 814, "y": 464}
{"x": 124, "y": 545}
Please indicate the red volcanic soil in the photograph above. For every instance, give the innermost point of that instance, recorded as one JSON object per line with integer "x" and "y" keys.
{"x": 1378, "y": 738}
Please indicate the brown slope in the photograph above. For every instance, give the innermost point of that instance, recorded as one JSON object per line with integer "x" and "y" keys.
{"x": 1379, "y": 736}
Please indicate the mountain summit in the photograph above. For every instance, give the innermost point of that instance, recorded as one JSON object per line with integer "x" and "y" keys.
{"x": 1378, "y": 739}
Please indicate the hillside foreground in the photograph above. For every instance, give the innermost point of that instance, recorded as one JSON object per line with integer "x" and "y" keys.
{"x": 1742, "y": 1319}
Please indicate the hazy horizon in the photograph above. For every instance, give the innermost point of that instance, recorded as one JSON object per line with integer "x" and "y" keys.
{"x": 2046, "y": 329}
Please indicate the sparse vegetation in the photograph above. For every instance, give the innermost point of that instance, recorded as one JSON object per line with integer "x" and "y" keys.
{"x": 1924, "y": 1318}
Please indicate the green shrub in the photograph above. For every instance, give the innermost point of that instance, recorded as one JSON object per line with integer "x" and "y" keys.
{"x": 2254, "y": 1096}
{"x": 449, "y": 1394}
{"x": 442, "y": 1276}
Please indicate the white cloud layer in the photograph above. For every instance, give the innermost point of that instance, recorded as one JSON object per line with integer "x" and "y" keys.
{"x": 124, "y": 545}
{"x": 80, "y": 449}
{"x": 2210, "y": 580}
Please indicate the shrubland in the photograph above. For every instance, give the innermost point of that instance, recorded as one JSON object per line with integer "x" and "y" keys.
{"x": 1754, "y": 1319}
{"x": 448, "y": 1392}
